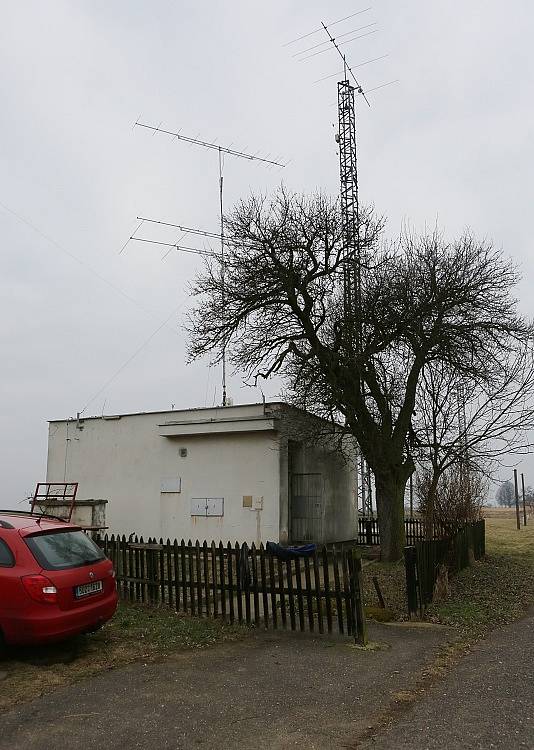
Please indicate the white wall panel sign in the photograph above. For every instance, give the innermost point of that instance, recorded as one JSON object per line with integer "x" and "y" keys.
{"x": 171, "y": 484}
{"x": 215, "y": 506}
{"x": 207, "y": 506}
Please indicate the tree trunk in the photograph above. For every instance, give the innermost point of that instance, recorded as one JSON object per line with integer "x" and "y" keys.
{"x": 390, "y": 504}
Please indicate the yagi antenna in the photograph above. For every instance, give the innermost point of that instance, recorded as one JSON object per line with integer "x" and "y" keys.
{"x": 207, "y": 144}
{"x": 186, "y": 230}
{"x": 339, "y": 36}
{"x": 333, "y": 23}
{"x": 345, "y": 64}
{"x": 348, "y": 41}
{"x": 221, "y": 152}
{"x": 360, "y": 65}
{"x": 176, "y": 246}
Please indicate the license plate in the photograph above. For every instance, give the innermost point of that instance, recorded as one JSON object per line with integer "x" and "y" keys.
{"x": 88, "y": 588}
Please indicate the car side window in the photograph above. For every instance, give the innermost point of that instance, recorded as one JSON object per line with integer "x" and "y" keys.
{"x": 6, "y": 556}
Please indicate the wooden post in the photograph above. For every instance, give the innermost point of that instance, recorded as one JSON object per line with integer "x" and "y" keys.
{"x": 524, "y": 503}
{"x": 410, "y": 561}
{"x": 152, "y": 576}
{"x": 518, "y": 519}
{"x": 359, "y": 623}
{"x": 379, "y": 593}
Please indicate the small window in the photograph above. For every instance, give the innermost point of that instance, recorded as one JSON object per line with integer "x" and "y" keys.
{"x": 6, "y": 556}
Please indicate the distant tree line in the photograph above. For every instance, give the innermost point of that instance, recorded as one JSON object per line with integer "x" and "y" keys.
{"x": 505, "y": 495}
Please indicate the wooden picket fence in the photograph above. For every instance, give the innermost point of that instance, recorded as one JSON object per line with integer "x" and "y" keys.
{"x": 415, "y": 529}
{"x": 320, "y": 593}
{"x": 424, "y": 559}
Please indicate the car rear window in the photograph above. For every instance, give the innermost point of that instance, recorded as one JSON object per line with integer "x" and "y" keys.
{"x": 6, "y": 556}
{"x": 59, "y": 550}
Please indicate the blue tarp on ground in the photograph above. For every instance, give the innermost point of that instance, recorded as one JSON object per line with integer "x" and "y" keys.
{"x": 290, "y": 553}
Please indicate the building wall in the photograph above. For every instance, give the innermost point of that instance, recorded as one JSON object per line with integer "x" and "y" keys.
{"x": 126, "y": 459}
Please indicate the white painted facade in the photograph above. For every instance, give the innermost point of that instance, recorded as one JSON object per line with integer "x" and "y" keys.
{"x": 219, "y": 473}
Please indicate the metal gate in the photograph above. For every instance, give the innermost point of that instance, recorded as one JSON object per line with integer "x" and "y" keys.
{"x": 307, "y": 507}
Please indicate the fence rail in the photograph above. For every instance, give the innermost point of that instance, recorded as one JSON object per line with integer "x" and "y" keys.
{"x": 321, "y": 592}
{"x": 424, "y": 559}
{"x": 415, "y": 530}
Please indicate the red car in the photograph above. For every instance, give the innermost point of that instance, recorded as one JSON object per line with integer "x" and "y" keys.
{"x": 55, "y": 582}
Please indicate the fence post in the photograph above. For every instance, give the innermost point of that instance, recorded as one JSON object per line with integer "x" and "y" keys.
{"x": 410, "y": 562}
{"x": 524, "y": 504}
{"x": 359, "y": 624}
{"x": 369, "y": 532}
{"x": 152, "y": 574}
{"x": 518, "y": 521}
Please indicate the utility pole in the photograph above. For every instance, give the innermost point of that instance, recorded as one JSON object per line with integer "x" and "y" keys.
{"x": 518, "y": 520}
{"x": 524, "y": 503}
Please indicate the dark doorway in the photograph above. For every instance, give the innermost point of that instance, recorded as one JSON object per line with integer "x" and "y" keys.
{"x": 306, "y": 507}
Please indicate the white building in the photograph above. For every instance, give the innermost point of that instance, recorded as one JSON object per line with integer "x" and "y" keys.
{"x": 235, "y": 473}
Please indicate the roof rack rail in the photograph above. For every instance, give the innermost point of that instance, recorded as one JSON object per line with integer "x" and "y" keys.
{"x": 29, "y": 514}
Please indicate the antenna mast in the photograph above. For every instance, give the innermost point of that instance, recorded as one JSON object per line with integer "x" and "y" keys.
{"x": 221, "y": 151}
{"x": 223, "y": 270}
{"x": 350, "y": 217}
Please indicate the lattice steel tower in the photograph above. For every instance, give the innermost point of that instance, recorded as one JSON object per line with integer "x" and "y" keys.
{"x": 348, "y": 172}
{"x": 350, "y": 221}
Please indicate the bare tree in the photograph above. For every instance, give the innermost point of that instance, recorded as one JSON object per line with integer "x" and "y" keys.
{"x": 499, "y": 414}
{"x": 279, "y": 309}
{"x": 505, "y": 494}
{"x": 456, "y": 499}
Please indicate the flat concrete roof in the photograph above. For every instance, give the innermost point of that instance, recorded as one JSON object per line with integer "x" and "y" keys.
{"x": 173, "y": 411}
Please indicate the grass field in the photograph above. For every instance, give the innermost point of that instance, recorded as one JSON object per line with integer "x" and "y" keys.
{"x": 498, "y": 588}
{"x": 136, "y": 633}
{"x": 495, "y": 590}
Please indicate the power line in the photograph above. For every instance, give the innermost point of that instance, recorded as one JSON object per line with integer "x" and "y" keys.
{"x": 78, "y": 260}
{"x": 132, "y": 357}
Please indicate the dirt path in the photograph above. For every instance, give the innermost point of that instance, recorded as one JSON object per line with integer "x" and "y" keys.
{"x": 272, "y": 690}
{"x": 487, "y": 701}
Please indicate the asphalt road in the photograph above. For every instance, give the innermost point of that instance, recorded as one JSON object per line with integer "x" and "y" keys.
{"x": 273, "y": 690}
{"x": 486, "y": 702}
{"x": 283, "y": 690}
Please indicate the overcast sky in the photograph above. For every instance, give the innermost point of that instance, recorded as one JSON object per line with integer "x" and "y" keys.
{"x": 451, "y": 142}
